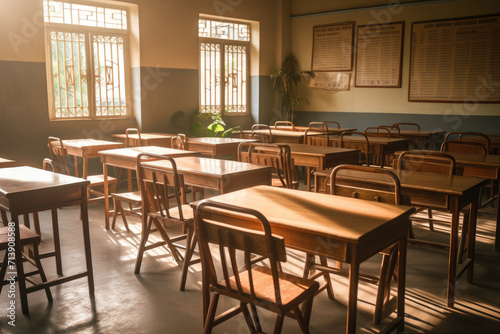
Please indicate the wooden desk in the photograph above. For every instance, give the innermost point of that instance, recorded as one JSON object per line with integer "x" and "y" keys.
{"x": 321, "y": 157}
{"x": 328, "y": 225}
{"x": 25, "y": 190}
{"x": 216, "y": 146}
{"x": 127, "y": 158}
{"x": 221, "y": 175}
{"x": 289, "y": 136}
{"x": 422, "y": 139}
{"x": 299, "y": 128}
{"x": 6, "y": 163}
{"x": 87, "y": 149}
{"x": 435, "y": 191}
{"x": 148, "y": 139}
{"x": 380, "y": 147}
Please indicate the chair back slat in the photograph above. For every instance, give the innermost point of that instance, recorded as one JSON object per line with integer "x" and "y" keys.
{"x": 132, "y": 142}
{"x": 284, "y": 124}
{"x": 262, "y": 132}
{"x": 58, "y": 155}
{"x": 179, "y": 142}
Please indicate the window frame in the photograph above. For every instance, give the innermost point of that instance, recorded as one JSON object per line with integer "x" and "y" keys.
{"x": 89, "y": 32}
{"x": 222, "y": 87}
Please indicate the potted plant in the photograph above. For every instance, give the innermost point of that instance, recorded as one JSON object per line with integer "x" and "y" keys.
{"x": 203, "y": 124}
{"x": 285, "y": 82}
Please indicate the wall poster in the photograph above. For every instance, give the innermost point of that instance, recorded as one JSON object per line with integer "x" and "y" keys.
{"x": 331, "y": 81}
{"x": 333, "y": 47}
{"x": 455, "y": 60}
{"x": 379, "y": 51}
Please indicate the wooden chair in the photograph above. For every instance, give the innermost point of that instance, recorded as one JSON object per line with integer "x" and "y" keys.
{"x": 266, "y": 287}
{"x": 29, "y": 241}
{"x": 323, "y": 125}
{"x": 276, "y": 155}
{"x": 158, "y": 211}
{"x": 463, "y": 146}
{"x": 470, "y": 137}
{"x": 411, "y": 125}
{"x": 317, "y": 137}
{"x": 375, "y": 131}
{"x": 58, "y": 155}
{"x": 363, "y": 146}
{"x": 385, "y": 192}
{"x": 132, "y": 199}
{"x": 284, "y": 125}
{"x": 179, "y": 142}
{"x": 265, "y": 136}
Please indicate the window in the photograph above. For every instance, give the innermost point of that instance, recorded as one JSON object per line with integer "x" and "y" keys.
{"x": 87, "y": 61}
{"x": 224, "y": 66}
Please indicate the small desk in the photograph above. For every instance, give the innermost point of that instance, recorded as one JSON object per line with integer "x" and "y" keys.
{"x": 321, "y": 157}
{"x": 25, "y": 190}
{"x": 87, "y": 149}
{"x": 380, "y": 147}
{"x": 216, "y": 146}
{"x": 436, "y": 191}
{"x": 221, "y": 175}
{"x": 148, "y": 139}
{"x": 328, "y": 225}
{"x": 127, "y": 158}
{"x": 6, "y": 163}
{"x": 422, "y": 139}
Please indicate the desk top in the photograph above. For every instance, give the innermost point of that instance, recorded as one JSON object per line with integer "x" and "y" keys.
{"x": 298, "y": 128}
{"x": 89, "y": 142}
{"x": 491, "y": 160}
{"x": 208, "y": 166}
{"x": 6, "y": 163}
{"x": 131, "y": 153}
{"x": 332, "y": 216}
{"x": 144, "y": 136}
{"x": 316, "y": 150}
{"x": 219, "y": 140}
{"x": 371, "y": 140}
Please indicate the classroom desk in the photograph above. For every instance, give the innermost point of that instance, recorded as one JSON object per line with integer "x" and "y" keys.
{"x": 487, "y": 167}
{"x": 6, "y": 163}
{"x": 422, "y": 139}
{"x": 299, "y": 128}
{"x": 320, "y": 157}
{"x": 87, "y": 149}
{"x": 147, "y": 139}
{"x": 127, "y": 158}
{"x": 25, "y": 190}
{"x": 436, "y": 191}
{"x": 328, "y": 225}
{"x": 289, "y": 136}
{"x": 380, "y": 147}
{"x": 221, "y": 175}
{"x": 216, "y": 146}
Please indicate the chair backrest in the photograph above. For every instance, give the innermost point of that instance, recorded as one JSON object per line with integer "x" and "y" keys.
{"x": 157, "y": 186}
{"x": 470, "y": 136}
{"x": 264, "y": 135}
{"x": 48, "y": 165}
{"x": 393, "y": 129}
{"x": 363, "y": 183}
{"x": 130, "y": 142}
{"x": 284, "y": 124}
{"x": 179, "y": 142}
{"x": 317, "y": 137}
{"x": 426, "y": 161}
{"x": 58, "y": 154}
{"x": 410, "y": 125}
{"x": 463, "y": 146}
{"x": 376, "y": 131}
{"x": 276, "y": 155}
{"x": 363, "y": 146}
{"x": 237, "y": 247}
{"x": 323, "y": 125}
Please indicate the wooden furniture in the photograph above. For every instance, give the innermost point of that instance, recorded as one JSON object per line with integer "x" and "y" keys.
{"x": 320, "y": 157}
{"x": 284, "y": 124}
{"x": 471, "y": 137}
{"x": 87, "y": 149}
{"x": 405, "y": 125}
{"x": 159, "y": 211}
{"x": 146, "y": 139}
{"x": 463, "y": 146}
{"x": 316, "y": 137}
{"x": 216, "y": 146}
{"x": 422, "y": 139}
{"x": 325, "y": 225}
{"x": 7, "y": 163}
{"x": 179, "y": 142}
{"x": 267, "y": 287}
{"x": 264, "y": 136}
{"x": 29, "y": 241}
{"x": 440, "y": 192}
{"x": 24, "y": 190}
{"x": 127, "y": 158}
{"x": 280, "y": 159}
{"x": 390, "y": 194}
{"x": 380, "y": 147}
{"x": 324, "y": 125}
{"x": 283, "y": 135}
{"x": 377, "y": 131}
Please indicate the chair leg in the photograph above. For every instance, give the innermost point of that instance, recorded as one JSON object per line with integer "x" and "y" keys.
{"x": 3, "y": 270}
{"x": 212, "y": 308}
{"x": 255, "y": 317}
{"x": 248, "y": 317}
{"x": 328, "y": 281}
{"x": 279, "y": 324}
{"x": 190, "y": 247}
{"x": 308, "y": 310}
{"x": 304, "y": 326}
{"x": 5, "y": 220}
{"x": 41, "y": 272}
{"x": 142, "y": 246}
{"x": 388, "y": 265}
{"x": 431, "y": 222}
{"x": 463, "y": 238}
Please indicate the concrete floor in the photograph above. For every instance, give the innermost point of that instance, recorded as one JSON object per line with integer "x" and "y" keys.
{"x": 152, "y": 303}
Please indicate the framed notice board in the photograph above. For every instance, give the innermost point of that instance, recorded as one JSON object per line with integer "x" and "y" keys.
{"x": 333, "y": 47}
{"x": 379, "y": 50}
{"x": 455, "y": 60}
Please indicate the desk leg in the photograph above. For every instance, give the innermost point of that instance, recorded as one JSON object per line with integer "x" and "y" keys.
{"x": 353, "y": 294}
{"x": 75, "y": 161}
{"x": 21, "y": 281}
{"x": 308, "y": 178}
{"x": 472, "y": 239}
{"x": 106, "y": 196}
{"x": 452, "y": 261}
{"x": 85, "y": 167}
{"x": 86, "y": 241}
{"x": 57, "y": 243}
{"x": 401, "y": 284}
{"x": 497, "y": 233}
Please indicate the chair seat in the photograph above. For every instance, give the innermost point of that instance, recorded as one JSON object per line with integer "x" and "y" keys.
{"x": 27, "y": 236}
{"x": 132, "y": 196}
{"x": 292, "y": 287}
{"x": 99, "y": 179}
{"x": 187, "y": 213}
